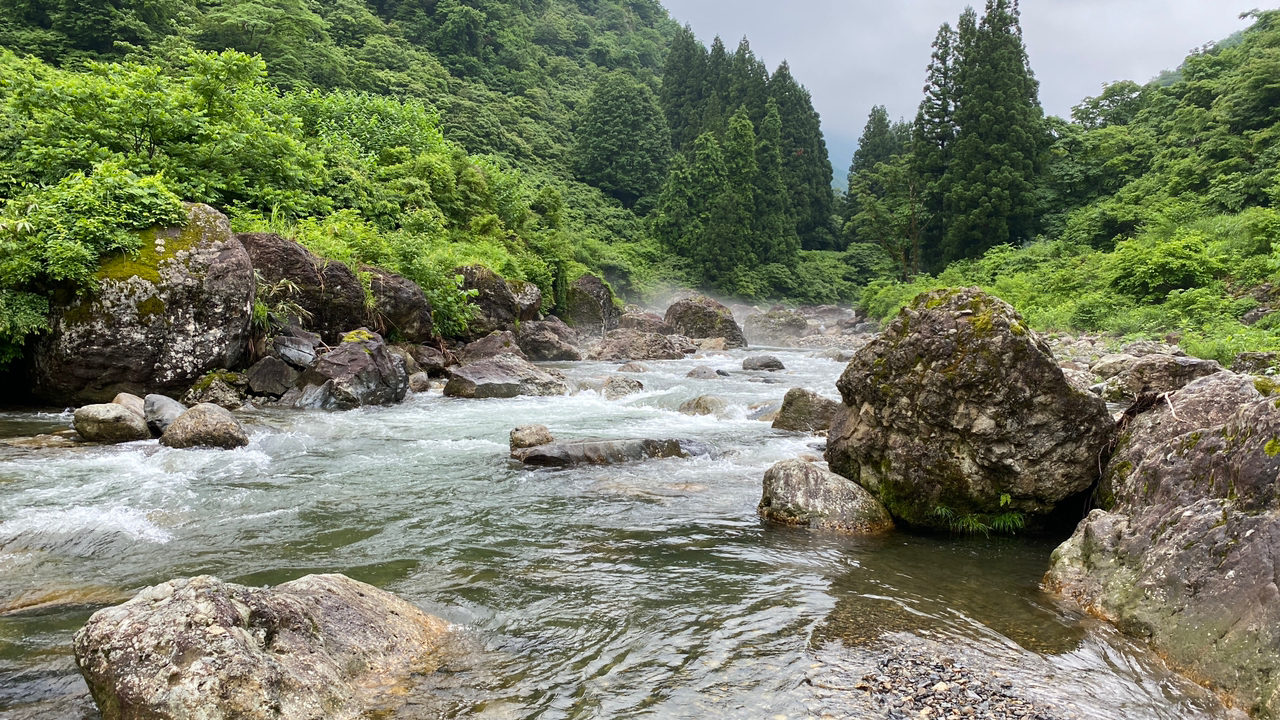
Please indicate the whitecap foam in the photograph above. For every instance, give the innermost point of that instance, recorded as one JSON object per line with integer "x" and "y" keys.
{"x": 128, "y": 521}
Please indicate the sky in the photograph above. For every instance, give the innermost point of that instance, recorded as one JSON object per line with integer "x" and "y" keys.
{"x": 853, "y": 54}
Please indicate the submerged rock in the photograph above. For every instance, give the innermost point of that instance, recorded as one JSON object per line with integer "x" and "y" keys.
{"x": 504, "y": 376}
{"x": 800, "y": 493}
{"x": 619, "y": 387}
{"x": 701, "y": 317}
{"x": 318, "y": 648}
{"x": 959, "y": 411}
{"x": 160, "y": 411}
{"x": 360, "y": 371}
{"x": 205, "y": 425}
{"x": 763, "y": 362}
{"x": 605, "y": 452}
{"x": 109, "y": 422}
{"x": 805, "y": 411}
{"x": 527, "y": 436}
{"x": 624, "y": 345}
{"x": 548, "y": 340}
{"x": 633, "y": 367}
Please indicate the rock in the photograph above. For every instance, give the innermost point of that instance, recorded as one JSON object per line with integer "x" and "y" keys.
{"x": 1081, "y": 380}
{"x": 496, "y": 306}
{"x": 528, "y": 300}
{"x": 764, "y": 411}
{"x": 419, "y": 382}
{"x": 405, "y": 353}
{"x": 805, "y": 411}
{"x": 957, "y": 414}
{"x": 1186, "y": 557}
{"x": 205, "y": 425}
{"x": 319, "y": 647}
{"x": 619, "y": 387}
{"x": 271, "y": 376}
{"x": 527, "y": 436}
{"x": 704, "y": 405}
{"x": 605, "y": 452}
{"x": 1255, "y": 363}
{"x": 1142, "y": 348}
{"x": 623, "y": 345}
{"x": 160, "y": 411}
{"x": 360, "y": 371}
{"x": 401, "y": 309}
{"x": 1158, "y": 374}
{"x": 496, "y": 343}
{"x": 701, "y": 317}
{"x": 800, "y": 493}
{"x": 161, "y": 317}
{"x": 298, "y": 349}
{"x": 772, "y": 327}
{"x": 633, "y": 367}
{"x": 1255, "y": 315}
{"x": 548, "y": 340}
{"x": 1108, "y": 366}
{"x": 702, "y": 372}
{"x": 328, "y": 290}
{"x": 589, "y": 306}
{"x": 219, "y": 387}
{"x": 645, "y": 322}
{"x": 109, "y": 422}
{"x": 763, "y": 362}
{"x": 709, "y": 345}
{"x": 131, "y": 402}
{"x": 429, "y": 359}
{"x": 503, "y": 376}
{"x": 683, "y": 344}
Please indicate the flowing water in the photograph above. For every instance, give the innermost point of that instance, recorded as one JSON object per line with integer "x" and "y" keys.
{"x": 644, "y": 590}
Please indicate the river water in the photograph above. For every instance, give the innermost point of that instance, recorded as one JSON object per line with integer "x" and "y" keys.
{"x": 645, "y": 590}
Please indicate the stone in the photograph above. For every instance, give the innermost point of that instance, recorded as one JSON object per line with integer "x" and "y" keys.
{"x": 1255, "y": 363}
{"x": 701, "y": 317}
{"x": 401, "y": 309}
{"x": 271, "y": 376}
{"x": 329, "y": 291}
{"x": 800, "y": 493}
{"x": 774, "y": 326}
{"x": 805, "y": 411}
{"x": 1156, "y": 373}
{"x": 1254, "y": 316}
{"x": 763, "y": 362}
{"x": 109, "y": 422}
{"x": 623, "y": 345}
{"x": 617, "y": 387}
{"x": 430, "y": 360}
{"x": 645, "y": 322}
{"x": 1108, "y": 366}
{"x": 132, "y": 402}
{"x": 1142, "y": 348}
{"x": 503, "y": 376}
{"x": 605, "y": 452}
{"x": 1081, "y": 380}
{"x": 360, "y": 371}
{"x": 548, "y": 340}
{"x": 160, "y": 411}
{"x": 419, "y": 382}
{"x": 589, "y": 306}
{"x": 299, "y": 350}
{"x": 957, "y": 414}
{"x": 683, "y": 344}
{"x": 633, "y": 367}
{"x": 528, "y": 300}
{"x": 320, "y": 647}
{"x": 702, "y": 372}
{"x": 710, "y": 345}
{"x": 496, "y": 307}
{"x": 527, "y": 436}
{"x": 704, "y": 405}
{"x": 405, "y": 353}
{"x": 205, "y": 425}
{"x": 496, "y": 343}
{"x": 161, "y": 317}
{"x": 219, "y": 387}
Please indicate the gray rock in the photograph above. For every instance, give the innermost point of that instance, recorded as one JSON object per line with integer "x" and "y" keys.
{"x": 774, "y": 326}
{"x": 205, "y": 425}
{"x": 1142, "y": 348}
{"x": 360, "y": 371}
{"x": 589, "y": 306}
{"x": 318, "y": 648}
{"x": 297, "y": 350}
{"x": 633, "y": 367}
{"x": 496, "y": 307}
{"x": 619, "y": 387}
{"x": 1154, "y": 374}
{"x": 219, "y": 387}
{"x": 1255, "y": 315}
{"x": 160, "y": 411}
{"x": 405, "y": 353}
{"x": 1108, "y": 366}
{"x": 528, "y": 300}
{"x": 419, "y": 382}
{"x": 800, "y": 493}
{"x": 763, "y": 362}
{"x": 503, "y": 376}
{"x": 704, "y": 405}
{"x": 623, "y": 345}
{"x": 330, "y": 292}
{"x": 527, "y": 436}
{"x": 430, "y": 360}
{"x": 160, "y": 319}
{"x": 1081, "y": 380}
{"x": 605, "y": 452}
{"x": 400, "y": 307}
{"x": 701, "y": 317}
{"x": 958, "y": 410}
{"x": 645, "y": 322}
{"x": 109, "y": 422}
{"x": 1255, "y": 363}
{"x": 134, "y": 403}
{"x": 498, "y": 342}
{"x": 271, "y": 376}
{"x": 702, "y": 372}
{"x": 548, "y": 340}
{"x": 805, "y": 411}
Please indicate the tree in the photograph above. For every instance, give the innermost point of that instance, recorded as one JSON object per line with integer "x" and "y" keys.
{"x": 683, "y": 87}
{"x": 748, "y": 83}
{"x": 891, "y": 212}
{"x": 879, "y": 143}
{"x": 623, "y": 143}
{"x": 806, "y": 167}
{"x": 775, "y": 228}
{"x": 932, "y": 136}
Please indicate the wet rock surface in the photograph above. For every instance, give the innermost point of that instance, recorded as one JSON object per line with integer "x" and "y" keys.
{"x": 624, "y": 345}
{"x": 800, "y": 493}
{"x": 617, "y": 387}
{"x": 360, "y": 371}
{"x": 109, "y": 422}
{"x": 704, "y": 405}
{"x": 701, "y": 317}
{"x": 160, "y": 411}
{"x": 503, "y": 376}
{"x": 220, "y": 387}
{"x": 527, "y": 436}
{"x": 605, "y": 452}
{"x": 205, "y": 425}
{"x": 763, "y": 362}
{"x": 805, "y": 411}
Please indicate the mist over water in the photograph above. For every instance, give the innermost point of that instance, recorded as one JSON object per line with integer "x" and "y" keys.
{"x": 649, "y": 589}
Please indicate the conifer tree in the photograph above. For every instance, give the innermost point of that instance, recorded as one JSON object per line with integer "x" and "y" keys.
{"x": 932, "y": 136}
{"x": 775, "y": 228}
{"x": 683, "y": 84}
{"x": 748, "y": 83}
{"x": 715, "y": 90}
{"x": 729, "y": 243}
{"x": 806, "y": 167}
{"x": 622, "y": 144}
{"x": 878, "y": 143}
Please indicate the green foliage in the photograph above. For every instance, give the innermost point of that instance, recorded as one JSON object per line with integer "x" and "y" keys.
{"x": 623, "y": 141}
{"x": 1007, "y": 523}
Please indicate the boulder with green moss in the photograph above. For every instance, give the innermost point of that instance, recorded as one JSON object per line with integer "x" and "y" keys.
{"x": 958, "y": 417}
{"x": 800, "y": 493}
{"x": 159, "y": 320}
{"x": 360, "y": 371}
{"x": 701, "y": 317}
{"x": 589, "y": 307}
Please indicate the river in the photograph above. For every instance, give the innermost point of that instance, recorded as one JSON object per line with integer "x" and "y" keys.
{"x": 645, "y": 590}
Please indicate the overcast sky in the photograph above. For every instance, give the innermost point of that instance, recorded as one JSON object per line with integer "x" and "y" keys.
{"x": 853, "y": 54}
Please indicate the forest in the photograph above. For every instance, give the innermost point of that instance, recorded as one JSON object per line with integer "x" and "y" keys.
{"x": 547, "y": 139}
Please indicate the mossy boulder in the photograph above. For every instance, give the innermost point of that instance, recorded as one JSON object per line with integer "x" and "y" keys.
{"x": 495, "y": 305}
{"x": 796, "y": 492}
{"x": 330, "y": 292}
{"x": 957, "y": 415}
{"x": 160, "y": 319}
{"x": 360, "y": 371}
{"x": 701, "y": 317}
{"x": 589, "y": 306}
{"x": 805, "y": 411}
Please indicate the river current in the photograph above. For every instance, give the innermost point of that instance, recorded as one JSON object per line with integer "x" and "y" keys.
{"x": 644, "y": 590}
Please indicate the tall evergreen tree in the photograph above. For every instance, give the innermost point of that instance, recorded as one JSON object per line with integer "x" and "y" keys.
{"x": 806, "y": 167}
{"x": 775, "y": 228}
{"x": 879, "y": 142}
{"x": 683, "y": 84}
{"x": 729, "y": 244}
{"x": 932, "y": 137}
{"x": 1000, "y": 140}
{"x": 622, "y": 143}
{"x": 715, "y": 89}
{"x": 748, "y": 83}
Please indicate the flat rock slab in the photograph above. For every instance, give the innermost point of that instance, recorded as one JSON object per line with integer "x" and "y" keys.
{"x": 606, "y": 452}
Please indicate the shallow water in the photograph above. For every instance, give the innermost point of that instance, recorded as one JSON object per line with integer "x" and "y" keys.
{"x": 647, "y": 590}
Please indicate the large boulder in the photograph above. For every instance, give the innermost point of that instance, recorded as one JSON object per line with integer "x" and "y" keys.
{"x": 771, "y": 328}
{"x": 605, "y": 452}
{"x": 625, "y": 345}
{"x": 271, "y": 376}
{"x": 805, "y": 411}
{"x": 800, "y": 493}
{"x": 160, "y": 411}
{"x": 316, "y": 648}
{"x": 1156, "y": 373}
{"x": 645, "y": 322}
{"x": 528, "y": 300}
{"x": 109, "y": 422}
{"x": 496, "y": 343}
{"x": 205, "y": 425}
{"x": 1186, "y": 556}
{"x": 957, "y": 415}
{"x": 496, "y": 307}
{"x": 430, "y": 360}
{"x": 401, "y": 309}
{"x": 701, "y": 317}
{"x": 589, "y": 306}
{"x": 297, "y": 347}
{"x": 504, "y": 376}
{"x": 360, "y": 371}
{"x": 328, "y": 291}
{"x": 550, "y": 339}
{"x": 161, "y": 317}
